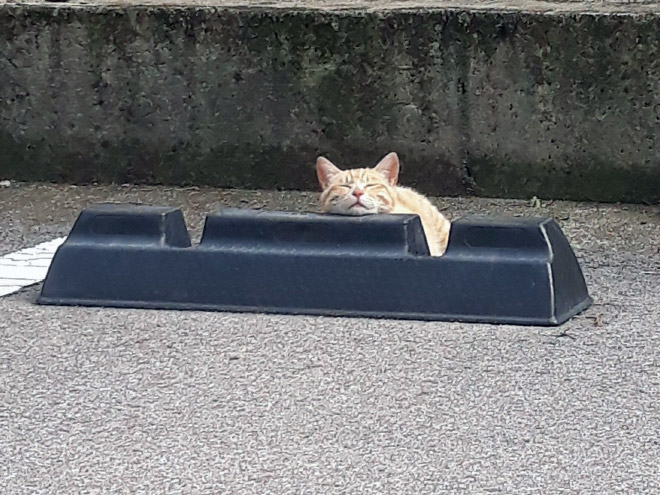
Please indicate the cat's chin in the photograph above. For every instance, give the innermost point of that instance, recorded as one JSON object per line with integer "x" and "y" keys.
{"x": 355, "y": 211}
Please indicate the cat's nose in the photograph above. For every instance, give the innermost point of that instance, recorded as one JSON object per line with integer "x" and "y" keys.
{"x": 358, "y": 192}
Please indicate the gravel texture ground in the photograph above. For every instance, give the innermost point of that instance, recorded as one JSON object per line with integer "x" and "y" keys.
{"x": 130, "y": 401}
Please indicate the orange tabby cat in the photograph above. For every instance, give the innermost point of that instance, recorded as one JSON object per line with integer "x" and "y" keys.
{"x": 365, "y": 191}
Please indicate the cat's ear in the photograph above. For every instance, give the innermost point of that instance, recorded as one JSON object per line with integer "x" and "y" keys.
{"x": 389, "y": 167}
{"x": 325, "y": 170}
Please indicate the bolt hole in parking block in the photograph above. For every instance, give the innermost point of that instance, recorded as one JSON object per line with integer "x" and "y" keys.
{"x": 495, "y": 270}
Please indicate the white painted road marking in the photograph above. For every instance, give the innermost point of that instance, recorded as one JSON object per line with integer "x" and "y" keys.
{"x": 27, "y": 266}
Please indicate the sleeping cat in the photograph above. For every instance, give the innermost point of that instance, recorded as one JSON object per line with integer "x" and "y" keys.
{"x": 365, "y": 191}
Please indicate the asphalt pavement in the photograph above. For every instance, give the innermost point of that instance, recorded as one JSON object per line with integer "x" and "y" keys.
{"x": 135, "y": 401}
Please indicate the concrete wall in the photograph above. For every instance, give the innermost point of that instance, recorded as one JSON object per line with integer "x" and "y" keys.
{"x": 503, "y": 104}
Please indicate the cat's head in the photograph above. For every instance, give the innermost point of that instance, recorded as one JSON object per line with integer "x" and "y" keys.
{"x": 358, "y": 191}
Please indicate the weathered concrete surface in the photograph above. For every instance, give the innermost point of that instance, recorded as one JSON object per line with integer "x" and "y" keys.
{"x": 491, "y": 102}
{"x": 547, "y": 6}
